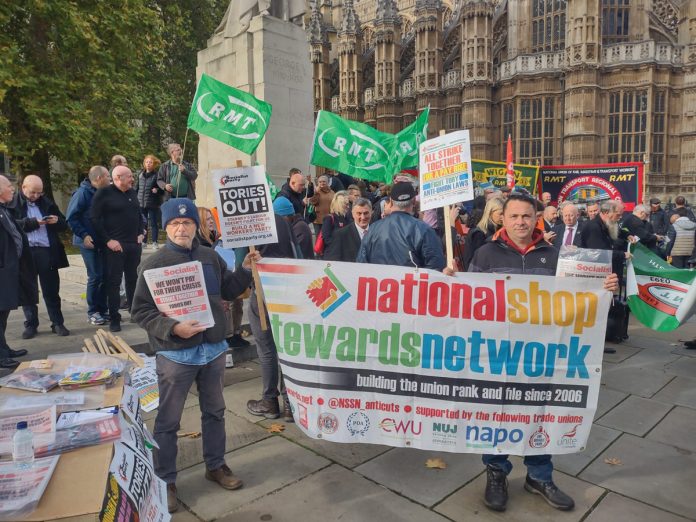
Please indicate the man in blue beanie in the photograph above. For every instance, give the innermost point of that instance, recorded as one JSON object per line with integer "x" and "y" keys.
{"x": 188, "y": 352}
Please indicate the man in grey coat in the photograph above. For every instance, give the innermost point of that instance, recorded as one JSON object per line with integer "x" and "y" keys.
{"x": 187, "y": 351}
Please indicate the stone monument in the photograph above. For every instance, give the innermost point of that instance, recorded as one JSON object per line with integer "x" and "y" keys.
{"x": 257, "y": 48}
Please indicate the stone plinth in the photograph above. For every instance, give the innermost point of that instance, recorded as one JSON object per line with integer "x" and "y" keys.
{"x": 270, "y": 61}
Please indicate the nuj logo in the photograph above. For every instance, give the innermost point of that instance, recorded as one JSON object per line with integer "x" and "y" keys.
{"x": 237, "y": 113}
{"x": 358, "y": 145}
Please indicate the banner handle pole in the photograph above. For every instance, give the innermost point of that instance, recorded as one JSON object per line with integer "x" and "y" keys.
{"x": 448, "y": 232}
{"x": 257, "y": 283}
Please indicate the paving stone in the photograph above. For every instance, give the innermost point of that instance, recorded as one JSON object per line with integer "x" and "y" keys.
{"x": 637, "y": 381}
{"x": 239, "y": 432}
{"x": 614, "y": 508}
{"x": 241, "y": 372}
{"x": 403, "y": 470}
{"x": 336, "y": 494}
{"x": 677, "y": 429}
{"x": 681, "y": 391}
{"x": 635, "y": 415}
{"x": 574, "y": 463}
{"x": 348, "y": 455}
{"x": 237, "y": 396}
{"x": 655, "y": 473}
{"x": 184, "y": 516}
{"x": 654, "y": 357}
{"x": 467, "y": 503}
{"x": 683, "y": 351}
{"x": 608, "y": 398}
{"x": 264, "y": 467}
{"x": 623, "y": 352}
{"x": 684, "y": 367}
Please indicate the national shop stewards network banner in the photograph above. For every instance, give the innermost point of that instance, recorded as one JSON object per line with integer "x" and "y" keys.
{"x": 480, "y": 363}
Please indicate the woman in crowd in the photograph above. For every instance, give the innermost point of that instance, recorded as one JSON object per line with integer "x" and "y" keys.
{"x": 338, "y": 218}
{"x": 209, "y": 236}
{"x": 321, "y": 200}
{"x": 491, "y": 221}
{"x": 149, "y": 195}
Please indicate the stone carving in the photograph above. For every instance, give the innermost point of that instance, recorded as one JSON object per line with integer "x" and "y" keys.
{"x": 240, "y": 12}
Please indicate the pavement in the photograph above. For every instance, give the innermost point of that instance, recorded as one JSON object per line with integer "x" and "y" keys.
{"x": 639, "y": 464}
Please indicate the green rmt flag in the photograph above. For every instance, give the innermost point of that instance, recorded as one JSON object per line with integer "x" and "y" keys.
{"x": 661, "y": 296}
{"x": 229, "y": 115}
{"x": 352, "y": 148}
{"x": 408, "y": 141}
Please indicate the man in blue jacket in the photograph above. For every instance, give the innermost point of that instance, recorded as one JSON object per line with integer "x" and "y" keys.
{"x": 84, "y": 237}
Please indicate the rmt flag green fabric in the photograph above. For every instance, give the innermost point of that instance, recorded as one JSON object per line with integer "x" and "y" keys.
{"x": 229, "y": 115}
{"x": 353, "y": 148}
{"x": 660, "y": 296}
{"x": 408, "y": 141}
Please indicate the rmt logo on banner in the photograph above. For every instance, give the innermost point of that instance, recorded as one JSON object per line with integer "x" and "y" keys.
{"x": 244, "y": 200}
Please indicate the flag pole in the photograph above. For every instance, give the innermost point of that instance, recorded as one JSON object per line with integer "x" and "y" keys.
{"x": 448, "y": 226}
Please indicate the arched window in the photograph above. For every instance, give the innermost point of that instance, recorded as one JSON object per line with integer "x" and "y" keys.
{"x": 548, "y": 25}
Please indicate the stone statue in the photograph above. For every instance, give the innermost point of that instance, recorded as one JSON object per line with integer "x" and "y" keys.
{"x": 240, "y": 12}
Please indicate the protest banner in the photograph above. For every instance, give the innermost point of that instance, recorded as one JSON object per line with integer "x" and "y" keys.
{"x": 244, "y": 206}
{"x": 353, "y": 148}
{"x": 585, "y": 183}
{"x": 661, "y": 296}
{"x": 481, "y": 363}
{"x": 445, "y": 170}
{"x": 179, "y": 292}
{"x": 495, "y": 173}
{"x": 408, "y": 140}
{"x": 229, "y": 115}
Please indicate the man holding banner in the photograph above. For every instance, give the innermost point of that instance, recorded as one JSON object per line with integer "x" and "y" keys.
{"x": 520, "y": 248}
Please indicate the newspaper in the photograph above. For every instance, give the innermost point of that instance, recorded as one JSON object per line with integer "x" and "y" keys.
{"x": 144, "y": 380}
{"x": 179, "y": 292}
{"x": 21, "y": 491}
{"x": 583, "y": 262}
{"x": 41, "y": 423}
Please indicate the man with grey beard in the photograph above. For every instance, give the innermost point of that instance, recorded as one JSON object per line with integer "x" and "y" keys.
{"x": 602, "y": 232}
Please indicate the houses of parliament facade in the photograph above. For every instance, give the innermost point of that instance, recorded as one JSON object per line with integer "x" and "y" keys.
{"x": 572, "y": 81}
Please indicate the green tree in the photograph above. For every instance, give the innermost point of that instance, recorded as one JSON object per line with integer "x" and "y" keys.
{"x": 71, "y": 80}
{"x": 82, "y": 80}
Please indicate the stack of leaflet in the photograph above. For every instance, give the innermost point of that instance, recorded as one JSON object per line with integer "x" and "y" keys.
{"x": 78, "y": 380}
{"x": 31, "y": 380}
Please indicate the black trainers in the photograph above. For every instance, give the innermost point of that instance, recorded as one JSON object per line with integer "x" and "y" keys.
{"x": 551, "y": 494}
{"x": 287, "y": 412}
{"x": 264, "y": 408}
{"x": 237, "y": 341}
{"x": 608, "y": 349}
{"x": 29, "y": 332}
{"x": 115, "y": 326}
{"x": 60, "y": 329}
{"x": 496, "y": 495}
{"x": 690, "y": 345}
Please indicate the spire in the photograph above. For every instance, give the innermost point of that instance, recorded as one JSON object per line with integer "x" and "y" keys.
{"x": 314, "y": 29}
{"x": 351, "y": 23}
{"x": 387, "y": 12}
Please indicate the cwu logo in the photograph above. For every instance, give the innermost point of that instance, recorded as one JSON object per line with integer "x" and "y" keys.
{"x": 409, "y": 427}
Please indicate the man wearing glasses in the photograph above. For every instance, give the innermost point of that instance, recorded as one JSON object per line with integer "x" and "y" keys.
{"x": 187, "y": 351}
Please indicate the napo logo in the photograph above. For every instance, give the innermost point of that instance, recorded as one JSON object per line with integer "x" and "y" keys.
{"x": 539, "y": 439}
{"x": 358, "y": 423}
{"x": 327, "y": 423}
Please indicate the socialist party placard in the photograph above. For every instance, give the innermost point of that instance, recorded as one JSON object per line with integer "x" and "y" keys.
{"x": 481, "y": 363}
{"x": 244, "y": 206}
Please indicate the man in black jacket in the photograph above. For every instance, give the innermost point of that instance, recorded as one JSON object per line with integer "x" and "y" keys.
{"x": 346, "y": 241}
{"x": 519, "y": 248}
{"x": 298, "y": 190}
{"x": 118, "y": 224}
{"x": 13, "y": 246}
{"x": 187, "y": 351}
{"x": 637, "y": 225}
{"x": 603, "y": 233}
{"x": 40, "y": 218}
{"x": 658, "y": 217}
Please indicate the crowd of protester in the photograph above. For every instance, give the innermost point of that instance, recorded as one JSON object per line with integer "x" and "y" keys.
{"x": 113, "y": 214}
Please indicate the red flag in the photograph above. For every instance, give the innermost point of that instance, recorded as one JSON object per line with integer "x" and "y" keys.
{"x": 510, "y": 167}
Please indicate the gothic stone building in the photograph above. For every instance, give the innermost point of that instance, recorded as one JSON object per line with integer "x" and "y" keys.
{"x": 573, "y": 81}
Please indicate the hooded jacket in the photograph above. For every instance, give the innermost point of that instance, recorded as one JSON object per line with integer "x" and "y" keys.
{"x": 682, "y": 235}
{"x": 77, "y": 215}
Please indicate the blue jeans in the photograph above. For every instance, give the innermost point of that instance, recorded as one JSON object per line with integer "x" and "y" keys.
{"x": 96, "y": 280}
{"x": 539, "y": 467}
{"x": 151, "y": 216}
